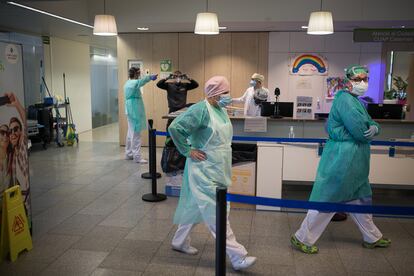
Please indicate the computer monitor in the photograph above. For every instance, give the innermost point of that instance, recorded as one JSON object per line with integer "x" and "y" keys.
{"x": 385, "y": 111}
{"x": 285, "y": 109}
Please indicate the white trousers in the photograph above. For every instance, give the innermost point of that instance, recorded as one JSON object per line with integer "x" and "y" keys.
{"x": 133, "y": 143}
{"x": 234, "y": 250}
{"x": 315, "y": 223}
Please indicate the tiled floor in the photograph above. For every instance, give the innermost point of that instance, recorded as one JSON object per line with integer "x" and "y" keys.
{"x": 89, "y": 219}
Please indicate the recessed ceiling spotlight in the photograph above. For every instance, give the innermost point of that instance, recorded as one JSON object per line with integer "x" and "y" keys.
{"x": 304, "y": 27}
{"x": 403, "y": 26}
{"x": 223, "y": 28}
{"x": 142, "y": 29}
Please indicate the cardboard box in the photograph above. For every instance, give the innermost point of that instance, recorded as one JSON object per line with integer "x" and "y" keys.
{"x": 243, "y": 179}
{"x": 243, "y": 182}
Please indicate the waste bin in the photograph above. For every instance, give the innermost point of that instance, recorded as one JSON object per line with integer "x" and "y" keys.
{"x": 242, "y": 152}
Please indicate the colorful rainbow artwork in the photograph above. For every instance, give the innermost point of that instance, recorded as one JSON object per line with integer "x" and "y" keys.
{"x": 314, "y": 60}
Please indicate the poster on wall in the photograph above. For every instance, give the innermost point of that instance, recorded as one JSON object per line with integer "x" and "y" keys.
{"x": 136, "y": 63}
{"x": 14, "y": 164}
{"x": 304, "y": 107}
{"x": 334, "y": 84}
{"x": 308, "y": 65}
{"x": 165, "y": 68}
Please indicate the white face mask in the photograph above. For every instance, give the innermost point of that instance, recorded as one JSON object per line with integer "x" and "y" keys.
{"x": 359, "y": 88}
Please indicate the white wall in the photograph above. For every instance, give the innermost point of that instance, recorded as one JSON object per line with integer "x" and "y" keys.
{"x": 71, "y": 58}
{"x": 338, "y": 49}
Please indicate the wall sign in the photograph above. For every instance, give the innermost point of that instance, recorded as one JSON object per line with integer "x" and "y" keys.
{"x": 308, "y": 65}
{"x": 384, "y": 35}
{"x": 304, "y": 107}
{"x": 165, "y": 68}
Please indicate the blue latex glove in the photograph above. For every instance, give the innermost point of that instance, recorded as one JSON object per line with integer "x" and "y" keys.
{"x": 371, "y": 132}
{"x": 153, "y": 77}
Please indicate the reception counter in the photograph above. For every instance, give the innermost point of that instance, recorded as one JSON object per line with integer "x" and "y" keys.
{"x": 312, "y": 128}
{"x": 298, "y": 162}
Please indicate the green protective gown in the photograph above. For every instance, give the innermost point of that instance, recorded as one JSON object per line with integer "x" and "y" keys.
{"x": 209, "y": 129}
{"x": 344, "y": 167}
{"x": 134, "y": 105}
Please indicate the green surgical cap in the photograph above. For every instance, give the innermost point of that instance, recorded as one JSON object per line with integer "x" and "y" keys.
{"x": 353, "y": 70}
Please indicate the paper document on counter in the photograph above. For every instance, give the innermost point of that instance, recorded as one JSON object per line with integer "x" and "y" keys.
{"x": 255, "y": 124}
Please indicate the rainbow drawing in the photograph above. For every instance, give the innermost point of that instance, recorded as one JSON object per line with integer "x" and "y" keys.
{"x": 314, "y": 60}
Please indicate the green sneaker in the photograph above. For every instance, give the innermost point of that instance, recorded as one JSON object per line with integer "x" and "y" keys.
{"x": 303, "y": 247}
{"x": 383, "y": 243}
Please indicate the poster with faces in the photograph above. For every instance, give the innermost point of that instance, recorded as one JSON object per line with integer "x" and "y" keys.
{"x": 14, "y": 166}
{"x": 304, "y": 108}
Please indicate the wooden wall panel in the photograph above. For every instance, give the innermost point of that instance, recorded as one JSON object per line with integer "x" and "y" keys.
{"x": 126, "y": 45}
{"x": 244, "y": 60}
{"x": 218, "y": 56}
{"x": 233, "y": 55}
{"x": 165, "y": 46}
{"x": 263, "y": 56}
{"x": 143, "y": 51}
{"x": 191, "y": 61}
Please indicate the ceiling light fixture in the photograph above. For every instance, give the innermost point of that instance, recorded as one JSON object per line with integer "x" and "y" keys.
{"x": 320, "y": 23}
{"x": 206, "y": 23}
{"x": 222, "y": 28}
{"x": 104, "y": 24}
{"x": 142, "y": 28}
{"x": 48, "y": 14}
{"x": 304, "y": 27}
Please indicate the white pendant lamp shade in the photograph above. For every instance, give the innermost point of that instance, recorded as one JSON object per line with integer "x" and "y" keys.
{"x": 320, "y": 23}
{"x": 206, "y": 24}
{"x": 104, "y": 25}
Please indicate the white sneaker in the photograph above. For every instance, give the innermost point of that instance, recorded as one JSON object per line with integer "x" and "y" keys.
{"x": 186, "y": 249}
{"x": 141, "y": 161}
{"x": 128, "y": 157}
{"x": 244, "y": 263}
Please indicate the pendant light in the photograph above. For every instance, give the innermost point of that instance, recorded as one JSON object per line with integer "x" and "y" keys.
{"x": 206, "y": 23}
{"x": 104, "y": 24}
{"x": 320, "y": 23}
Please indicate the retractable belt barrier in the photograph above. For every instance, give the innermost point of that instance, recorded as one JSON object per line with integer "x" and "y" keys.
{"x": 303, "y": 140}
{"x": 321, "y": 206}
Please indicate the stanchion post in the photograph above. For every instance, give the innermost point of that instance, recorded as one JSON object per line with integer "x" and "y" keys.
{"x": 221, "y": 228}
{"x": 153, "y": 196}
{"x": 152, "y": 149}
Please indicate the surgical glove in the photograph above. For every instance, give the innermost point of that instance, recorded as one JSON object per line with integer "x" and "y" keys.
{"x": 371, "y": 132}
{"x": 153, "y": 77}
{"x": 198, "y": 155}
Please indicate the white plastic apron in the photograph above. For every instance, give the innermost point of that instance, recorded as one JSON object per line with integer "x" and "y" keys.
{"x": 205, "y": 176}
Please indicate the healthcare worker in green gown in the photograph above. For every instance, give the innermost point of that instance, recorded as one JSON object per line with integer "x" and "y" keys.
{"x": 203, "y": 134}
{"x": 135, "y": 112}
{"x": 343, "y": 170}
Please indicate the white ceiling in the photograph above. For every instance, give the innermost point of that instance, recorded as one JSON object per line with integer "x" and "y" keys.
{"x": 179, "y": 15}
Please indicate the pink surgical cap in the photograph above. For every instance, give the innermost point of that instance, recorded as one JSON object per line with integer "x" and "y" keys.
{"x": 216, "y": 85}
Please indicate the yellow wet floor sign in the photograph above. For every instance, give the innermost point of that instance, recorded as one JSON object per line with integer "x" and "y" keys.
{"x": 15, "y": 235}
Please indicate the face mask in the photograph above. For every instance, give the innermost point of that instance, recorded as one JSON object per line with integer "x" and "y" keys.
{"x": 252, "y": 83}
{"x": 224, "y": 101}
{"x": 359, "y": 88}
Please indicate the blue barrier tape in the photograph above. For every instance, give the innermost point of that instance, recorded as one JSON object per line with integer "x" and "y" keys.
{"x": 302, "y": 140}
{"x": 323, "y": 206}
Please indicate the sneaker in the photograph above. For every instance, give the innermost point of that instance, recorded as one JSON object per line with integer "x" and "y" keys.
{"x": 382, "y": 243}
{"x": 128, "y": 157}
{"x": 186, "y": 249}
{"x": 303, "y": 247}
{"x": 244, "y": 263}
{"x": 141, "y": 161}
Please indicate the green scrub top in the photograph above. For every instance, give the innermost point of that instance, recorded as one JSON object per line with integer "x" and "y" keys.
{"x": 344, "y": 166}
{"x": 209, "y": 129}
{"x": 134, "y": 105}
